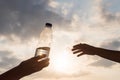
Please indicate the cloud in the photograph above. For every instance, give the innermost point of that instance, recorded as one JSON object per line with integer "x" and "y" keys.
{"x": 53, "y": 4}
{"x": 8, "y": 60}
{"x": 25, "y": 18}
{"x": 103, "y": 63}
{"x": 56, "y": 75}
{"x": 101, "y": 28}
{"x": 109, "y": 23}
{"x": 112, "y": 44}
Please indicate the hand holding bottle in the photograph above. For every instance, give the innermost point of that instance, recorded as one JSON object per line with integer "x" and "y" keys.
{"x": 26, "y": 68}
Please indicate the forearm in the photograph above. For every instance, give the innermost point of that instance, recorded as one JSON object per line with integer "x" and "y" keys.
{"x": 109, "y": 54}
{"x": 13, "y": 74}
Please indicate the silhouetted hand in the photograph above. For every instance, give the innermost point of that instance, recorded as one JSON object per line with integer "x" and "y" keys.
{"x": 26, "y": 68}
{"x": 33, "y": 65}
{"x": 82, "y": 49}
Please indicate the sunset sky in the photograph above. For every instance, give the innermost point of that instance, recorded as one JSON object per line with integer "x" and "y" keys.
{"x": 95, "y": 22}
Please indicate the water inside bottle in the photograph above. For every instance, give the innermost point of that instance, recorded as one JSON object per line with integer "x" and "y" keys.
{"x": 42, "y": 50}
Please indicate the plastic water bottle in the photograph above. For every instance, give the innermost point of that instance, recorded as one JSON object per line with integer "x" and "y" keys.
{"x": 45, "y": 41}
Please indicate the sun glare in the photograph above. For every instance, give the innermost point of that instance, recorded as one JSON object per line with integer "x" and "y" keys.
{"x": 63, "y": 63}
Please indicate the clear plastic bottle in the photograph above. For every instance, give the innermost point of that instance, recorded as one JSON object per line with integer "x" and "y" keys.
{"x": 45, "y": 41}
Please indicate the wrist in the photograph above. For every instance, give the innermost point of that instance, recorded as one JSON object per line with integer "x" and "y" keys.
{"x": 97, "y": 50}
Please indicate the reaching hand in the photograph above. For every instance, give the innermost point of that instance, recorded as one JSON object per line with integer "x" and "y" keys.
{"x": 82, "y": 49}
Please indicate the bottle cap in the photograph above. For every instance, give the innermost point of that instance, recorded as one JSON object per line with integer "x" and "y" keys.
{"x": 48, "y": 24}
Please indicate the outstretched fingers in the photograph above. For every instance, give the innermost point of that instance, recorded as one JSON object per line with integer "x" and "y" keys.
{"x": 77, "y": 51}
{"x": 77, "y": 46}
{"x": 80, "y": 54}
